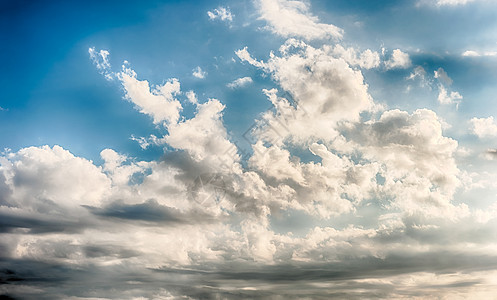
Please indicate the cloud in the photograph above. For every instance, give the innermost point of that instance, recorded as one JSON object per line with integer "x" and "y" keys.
{"x": 418, "y": 161}
{"x": 192, "y": 97}
{"x": 367, "y": 59}
{"x": 447, "y": 3}
{"x": 199, "y": 73}
{"x": 444, "y": 96}
{"x": 204, "y": 136}
{"x": 148, "y": 211}
{"x": 221, "y": 13}
{"x": 452, "y": 2}
{"x": 293, "y": 19}
{"x": 442, "y": 76}
{"x": 240, "y": 82}
{"x": 383, "y": 208}
{"x": 420, "y": 74}
{"x": 157, "y": 102}
{"x": 325, "y": 91}
{"x": 101, "y": 61}
{"x": 491, "y": 154}
{"x": 398, "y": 60}
{"x": 483, "y": 127}
{"x": 472, "y": 53}
{"x": 244, "y": 55}
{"x": 46, "y": 179}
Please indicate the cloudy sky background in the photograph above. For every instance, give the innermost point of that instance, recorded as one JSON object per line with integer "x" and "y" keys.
{"x": 185, "y": 149}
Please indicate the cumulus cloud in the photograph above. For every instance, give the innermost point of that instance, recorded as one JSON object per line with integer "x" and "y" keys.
{"x": 367, "y": 59}
{"x": 240, "y": 82}
{"x": 483, "y": 127}
{"x": 473, "y": 53}
{"x": 447, "y": 3}
{"x": 221, "y": 13}
{"x": 398, "y": 60}
{"x": 444, "y": 97}
{"x": 192, "y": 97}
{"x": 157, "y": 102}
{"x": 379, "y": 186}
{"x": 293, "y": 19}
{"x": 199, "y": 73}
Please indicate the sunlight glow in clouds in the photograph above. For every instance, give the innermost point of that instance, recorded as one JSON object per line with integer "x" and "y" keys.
{"x": 344, "y": 192}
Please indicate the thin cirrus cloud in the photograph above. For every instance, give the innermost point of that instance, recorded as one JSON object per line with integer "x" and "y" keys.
{"x": 385, "y": 204}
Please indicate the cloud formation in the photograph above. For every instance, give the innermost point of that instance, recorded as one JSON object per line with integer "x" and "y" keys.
{"x": 292, "y": 19}
{"x": 221, "y": 13}
{"x": 240, "y": 82}
{"x": 383, "y": 203}
{"x": 483, "y": 127}
{"x": 398, "y": 60}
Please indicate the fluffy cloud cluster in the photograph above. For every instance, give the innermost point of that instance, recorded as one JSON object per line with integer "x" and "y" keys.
{"x": 484, "y": 127}
{"x": 293, "y": 19}
{"x": 399, "y": 60}
{"x": 377, "y": 183}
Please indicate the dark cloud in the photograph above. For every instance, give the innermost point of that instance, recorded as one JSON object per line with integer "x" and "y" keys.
{"x": 150, "y": 211}
{"x": 492, "y": 153}
{"x": 351, "y": 279}
{"x": 38, "y": 225}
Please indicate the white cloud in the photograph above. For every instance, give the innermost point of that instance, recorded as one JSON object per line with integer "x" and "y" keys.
{"x": 483, "y": 127}
{"x": 470, "y": 53}
{"x": 367, "y": 59}
{"x": 326, "y": 90}
{"x": 398, "y": 60}
{"x": 443, "y": 77}
{"x": 290, "y": 18}
{"x": 192, "y": 97}
{"x": 244, "y": 55}
{"x": 453, "y": 2}
{"x": 158, "y": 102}
{"x": 418, "y": 159}
{"x": 240, "y": 82}
{"x": 447, "y": 3}
{"x": 204, "y": 137}
{"x": 46, "y": 179}
{"x": 221, "y": 13}
{"x": 444, "y": 96}
{"x": 325, "y": 149}
{"x": 101, "y": 61}
{"x": 199, "y": 73}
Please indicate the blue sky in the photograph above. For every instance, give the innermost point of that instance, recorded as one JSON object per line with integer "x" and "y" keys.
{"x": 251, "y": 149}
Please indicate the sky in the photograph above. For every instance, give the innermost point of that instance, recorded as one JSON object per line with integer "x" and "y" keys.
{"x": 265, "y": 149}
